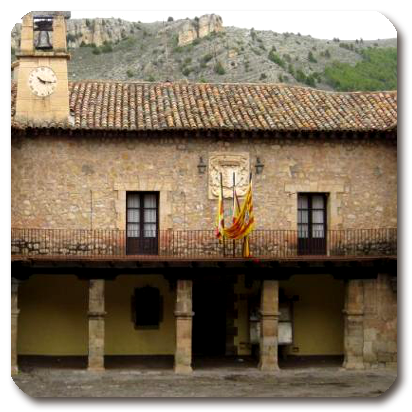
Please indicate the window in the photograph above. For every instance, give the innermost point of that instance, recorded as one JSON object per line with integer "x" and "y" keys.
{"x": 142, "y": 222}
{"x": 312, "y": 223}
{"x": 147, "y": 308}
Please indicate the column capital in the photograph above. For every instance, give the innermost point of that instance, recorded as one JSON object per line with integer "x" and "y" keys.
{"x": 269, "y": 314}
{"x": 180, "y": 314}
{"x": 15, "y": 313}
{"x": 96, "y": 315}
{"x": 352, "y": 312}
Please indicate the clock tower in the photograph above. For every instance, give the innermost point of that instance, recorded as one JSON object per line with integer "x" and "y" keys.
{"x": 42, "y": 82}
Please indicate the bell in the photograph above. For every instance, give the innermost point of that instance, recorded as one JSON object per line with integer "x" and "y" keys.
{"x": 43, "y": 41}
{"x": 44, "y": 28}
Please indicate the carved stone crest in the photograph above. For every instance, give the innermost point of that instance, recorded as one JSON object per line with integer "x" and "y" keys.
{"x": 227, "y": 164}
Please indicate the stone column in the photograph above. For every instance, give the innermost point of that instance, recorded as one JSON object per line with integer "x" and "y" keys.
{"x": 96, "y": 325}
{"x": 184, "y": 314}
{"x": 14, "y": 322}
{"x": 353, "y": 325}
{"x": 269, "y": 312}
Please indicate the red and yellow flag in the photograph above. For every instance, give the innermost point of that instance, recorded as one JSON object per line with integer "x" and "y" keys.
{"x": 243, "y": 221}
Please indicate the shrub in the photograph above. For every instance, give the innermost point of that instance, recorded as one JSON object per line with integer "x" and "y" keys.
{"x": 253, "y": 34}
{"x": 170, "y": 18}
{"x": 311, "y": 57}
{"x": 186, "y": 71}
{"x": 263, "y": 76}
{"x": 130, "y": 73}
{"x": 151, "y": 78}
{"x": 13, "y": 50}
{"x": 196, "y": 41}
{"x": 187, "y": 60}
{"x": 96, "y": 50}
{"x": 207, "y": 57}
{"x": 300, "y": 76}
{"x": 107, "y": 48}
{"x": 202, "y": 80}
{"x": 310, "y": 80}
{"x": 88, "y": 23}
{"x": 219, "y": 69}
{"x": 275, "y": 58}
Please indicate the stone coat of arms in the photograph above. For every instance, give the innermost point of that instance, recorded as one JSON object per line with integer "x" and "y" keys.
{"x": 227, "y": 164}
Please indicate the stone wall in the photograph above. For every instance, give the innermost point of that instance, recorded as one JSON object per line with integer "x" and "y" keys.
{"x": 78, "y": 182}
{"x": 380, "y": 322}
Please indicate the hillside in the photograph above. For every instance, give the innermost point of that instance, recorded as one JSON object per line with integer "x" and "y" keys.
{"x": 203, "y": 50}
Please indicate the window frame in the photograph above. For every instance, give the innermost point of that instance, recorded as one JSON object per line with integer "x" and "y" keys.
{"x": 310, "y": 209}
{"x": 141, "y": 212}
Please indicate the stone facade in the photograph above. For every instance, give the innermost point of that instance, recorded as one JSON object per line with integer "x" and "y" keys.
{"x": 370, "y": 332}
{"x": 380, "y": 322}
{"x": 84, "y": 183}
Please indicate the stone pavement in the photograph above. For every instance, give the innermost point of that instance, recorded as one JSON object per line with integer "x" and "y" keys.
{"x": 209, "y": 382}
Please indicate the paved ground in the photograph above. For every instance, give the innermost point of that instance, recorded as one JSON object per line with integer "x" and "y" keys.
{"x": 239, "y": 379}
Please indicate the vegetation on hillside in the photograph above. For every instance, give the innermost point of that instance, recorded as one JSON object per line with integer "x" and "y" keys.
{"x": 151, "y": 52}
{"x": 377, "y": 71}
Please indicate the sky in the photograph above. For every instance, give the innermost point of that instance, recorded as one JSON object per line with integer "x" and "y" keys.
{"x": 346, "y": 25}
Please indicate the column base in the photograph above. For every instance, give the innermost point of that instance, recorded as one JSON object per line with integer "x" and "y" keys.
{"x": 14, "y": 370}
{"x": 183, "y": 369}
{"x": 264, "y": 367}
{"x": 95, "y": 369}
{"x": 353, "y": 366}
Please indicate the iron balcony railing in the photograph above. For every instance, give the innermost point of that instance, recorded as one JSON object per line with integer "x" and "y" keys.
{"x": 198, "y": 244}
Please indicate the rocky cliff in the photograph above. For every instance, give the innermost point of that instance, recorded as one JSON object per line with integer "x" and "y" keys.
{"x": 199, "y": 28}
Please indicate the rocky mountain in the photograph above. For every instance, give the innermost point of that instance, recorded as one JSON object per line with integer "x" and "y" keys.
{"x": 202, "y": 49}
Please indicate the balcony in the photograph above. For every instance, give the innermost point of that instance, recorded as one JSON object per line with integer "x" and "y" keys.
{"x": 67, "y": 244}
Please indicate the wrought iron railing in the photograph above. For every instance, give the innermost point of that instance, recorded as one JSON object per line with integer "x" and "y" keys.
{"x": 198, "y": 244}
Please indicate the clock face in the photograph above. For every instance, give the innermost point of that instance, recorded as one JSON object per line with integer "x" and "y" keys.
{"x": 42, "y": 81}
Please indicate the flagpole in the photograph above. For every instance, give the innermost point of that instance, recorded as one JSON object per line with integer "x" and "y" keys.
{"x": 246, "y": 238}
{"x": 221, "y": 194}
{"x": 234, "y": 203}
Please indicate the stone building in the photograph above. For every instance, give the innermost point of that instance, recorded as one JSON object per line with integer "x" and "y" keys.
{"x": 114, "y": 198}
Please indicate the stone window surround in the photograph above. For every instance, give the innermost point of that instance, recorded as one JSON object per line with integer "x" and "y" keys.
{"x": 165, "y": 203}
{"x": 334, "y": 189}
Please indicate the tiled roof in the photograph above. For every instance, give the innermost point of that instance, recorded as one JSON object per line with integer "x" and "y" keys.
{"x": 201, "y": 106}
